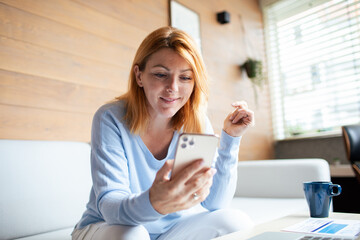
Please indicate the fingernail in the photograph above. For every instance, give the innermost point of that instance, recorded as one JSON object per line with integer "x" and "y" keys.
{"x": 213, "y": 171}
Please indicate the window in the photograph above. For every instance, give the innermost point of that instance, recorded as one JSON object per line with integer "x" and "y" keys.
{"x": 313, "y": 51}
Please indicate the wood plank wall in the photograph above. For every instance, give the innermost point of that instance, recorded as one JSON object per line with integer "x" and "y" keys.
{"x": 62, "y": 59}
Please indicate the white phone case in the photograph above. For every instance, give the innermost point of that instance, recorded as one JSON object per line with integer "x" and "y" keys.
{"x": 193, "y": 146}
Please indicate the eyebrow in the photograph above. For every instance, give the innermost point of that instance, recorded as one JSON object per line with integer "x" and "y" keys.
{"x": 162, "y": 66}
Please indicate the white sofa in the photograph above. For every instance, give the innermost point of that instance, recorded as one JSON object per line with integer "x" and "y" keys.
{"x": 45, "y": 186}
{"x": 270, "y": 189}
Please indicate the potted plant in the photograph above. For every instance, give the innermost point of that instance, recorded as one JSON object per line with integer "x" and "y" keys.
{"x": 253, "y": 69}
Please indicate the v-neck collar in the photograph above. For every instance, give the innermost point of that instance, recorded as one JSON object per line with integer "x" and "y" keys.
{"x": 150, "y": 156}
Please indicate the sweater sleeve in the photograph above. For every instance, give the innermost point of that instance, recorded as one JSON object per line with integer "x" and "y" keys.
{"x": 224, "y": 181}
{"x": 111, "y": 183}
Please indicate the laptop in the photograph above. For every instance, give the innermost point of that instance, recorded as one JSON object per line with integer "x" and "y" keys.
{"x": 298, "y": 236}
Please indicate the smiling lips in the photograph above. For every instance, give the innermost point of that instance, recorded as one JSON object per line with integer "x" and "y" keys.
{"x": 169, "y": 100}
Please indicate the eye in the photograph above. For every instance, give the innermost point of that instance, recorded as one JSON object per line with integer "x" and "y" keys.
{"x": 186, "y": 78}
{"x": 160, "y": 75}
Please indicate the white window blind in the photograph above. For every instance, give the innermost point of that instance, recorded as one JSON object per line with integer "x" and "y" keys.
{"x": 313, "y": 51}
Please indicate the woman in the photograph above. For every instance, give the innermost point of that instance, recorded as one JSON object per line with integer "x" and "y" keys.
{"x": 133, "y": 144}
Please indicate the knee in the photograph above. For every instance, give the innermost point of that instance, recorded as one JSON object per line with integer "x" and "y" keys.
{"x": 137, "y": 232}
{"x": 121, "y": 232}
{"x": 233, "y": 220}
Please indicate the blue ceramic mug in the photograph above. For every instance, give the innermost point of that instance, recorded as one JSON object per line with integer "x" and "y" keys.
{"x": 318, "y": 196}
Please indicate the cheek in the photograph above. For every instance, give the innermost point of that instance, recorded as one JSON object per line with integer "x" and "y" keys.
{"x": 151, "y": 88}
{"x": 189, "y": 89}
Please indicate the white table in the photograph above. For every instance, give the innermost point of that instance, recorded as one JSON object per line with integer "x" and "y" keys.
{"x": 277, "y": 225}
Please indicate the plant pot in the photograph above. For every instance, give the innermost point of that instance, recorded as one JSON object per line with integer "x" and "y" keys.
{"x": 252, "y": 68}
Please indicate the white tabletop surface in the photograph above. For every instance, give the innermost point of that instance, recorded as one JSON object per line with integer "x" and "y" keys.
{"x": 281, "y": 223}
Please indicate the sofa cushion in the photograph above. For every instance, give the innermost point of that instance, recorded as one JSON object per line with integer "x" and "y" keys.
{"x": 262, "y": 210}
{"x": 64, "y": 234}
{"x": 44, "y": 186}
{"x": 279, "y": 178}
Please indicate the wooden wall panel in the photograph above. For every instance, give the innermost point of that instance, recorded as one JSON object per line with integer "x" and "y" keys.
{"x": 62, "y": 59}
{"x": 33, "y": 60}
{"x": 87, "y": 19}
{"x": 140, "y": 14}
{"x": 46, "y": 33}
{"x": 18, "y": 122}
{"x": 44, "y": 93}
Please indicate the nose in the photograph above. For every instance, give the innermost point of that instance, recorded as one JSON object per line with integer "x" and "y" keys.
{"x": 173, "y": 84}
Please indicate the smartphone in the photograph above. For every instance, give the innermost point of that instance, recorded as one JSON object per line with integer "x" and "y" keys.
{"x": 193, "y": 146}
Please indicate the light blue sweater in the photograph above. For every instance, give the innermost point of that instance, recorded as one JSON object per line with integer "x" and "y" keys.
{"x": 123, "y": 170}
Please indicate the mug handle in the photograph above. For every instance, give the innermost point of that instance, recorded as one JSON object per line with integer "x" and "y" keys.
{"x": 331, "y": 189}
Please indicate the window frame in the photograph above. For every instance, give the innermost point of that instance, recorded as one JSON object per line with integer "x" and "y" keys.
{"x": 279, "y": 127}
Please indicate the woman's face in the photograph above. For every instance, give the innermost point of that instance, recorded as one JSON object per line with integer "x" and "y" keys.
{"x": 167, "y": 81}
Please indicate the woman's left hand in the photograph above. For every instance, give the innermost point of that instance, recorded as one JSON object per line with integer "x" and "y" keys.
{"x": 239, "y": 119}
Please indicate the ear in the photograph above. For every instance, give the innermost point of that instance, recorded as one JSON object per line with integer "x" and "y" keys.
{"x": 138, "y": 73}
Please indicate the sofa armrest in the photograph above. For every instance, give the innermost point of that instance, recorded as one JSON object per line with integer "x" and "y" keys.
{"x": 279, "y": 178}
{"x": 44, "y": 186}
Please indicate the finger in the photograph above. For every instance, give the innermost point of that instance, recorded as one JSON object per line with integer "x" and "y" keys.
{"x": 199, "y": 180}
{"x": 232, "y": 115}
{"x": 240, "y": 116}
{"x": 203, "y": 191}
{"x": 244, "y": 116}
{"x": 204, "y": 173}
{"x": 238, "y": 105}
{"x": 249, "y": 120}
{"x": 201, "y": 195}
{"x": 189, "y": 171}
{"x": 235, "y": 113}
{"x": 241, "y": 104}
{"x": 163, "y": 173}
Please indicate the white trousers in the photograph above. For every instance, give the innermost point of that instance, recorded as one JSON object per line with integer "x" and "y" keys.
{"x": 201, "y": 226}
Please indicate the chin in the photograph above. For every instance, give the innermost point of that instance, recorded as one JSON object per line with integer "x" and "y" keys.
{"x": 169, "y": 113}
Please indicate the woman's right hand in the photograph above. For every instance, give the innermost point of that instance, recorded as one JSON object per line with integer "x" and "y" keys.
{"x": 172, "y": 195}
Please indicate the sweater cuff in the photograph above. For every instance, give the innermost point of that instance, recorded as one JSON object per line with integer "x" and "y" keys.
{"x": 146, "y": 207}
{"x": 229, "y": 143}
{"x": 228, "y": 151}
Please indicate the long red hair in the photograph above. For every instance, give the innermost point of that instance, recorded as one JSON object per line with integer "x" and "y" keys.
{"x": 191, "y": 117}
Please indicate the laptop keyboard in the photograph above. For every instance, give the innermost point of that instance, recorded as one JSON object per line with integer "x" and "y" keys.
{"x": 322, "y": 238}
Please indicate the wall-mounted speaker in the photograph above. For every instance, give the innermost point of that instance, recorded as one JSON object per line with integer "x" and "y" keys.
{"x": 223, "y": 17}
